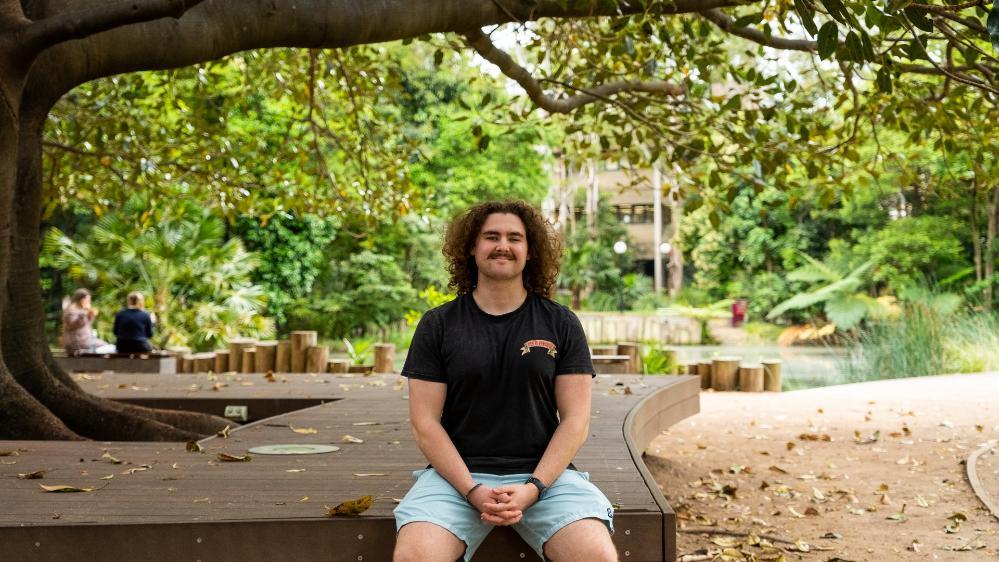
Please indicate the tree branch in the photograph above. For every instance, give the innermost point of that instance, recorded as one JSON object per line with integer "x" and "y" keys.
{"x": 79, "y": 24}
{"x": 727, "y": 24}
{"x": 918, "y": 69}
{"x": 943, "y": 9}
{"x": 485, "y": 48}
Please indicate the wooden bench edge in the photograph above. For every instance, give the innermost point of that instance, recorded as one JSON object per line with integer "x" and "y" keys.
{"x": 669, "y": 411}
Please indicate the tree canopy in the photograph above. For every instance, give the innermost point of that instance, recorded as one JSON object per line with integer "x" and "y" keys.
{"x": 720, "y": 89}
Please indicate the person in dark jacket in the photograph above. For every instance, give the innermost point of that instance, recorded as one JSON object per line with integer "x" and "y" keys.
{"x": 133, "y": 326}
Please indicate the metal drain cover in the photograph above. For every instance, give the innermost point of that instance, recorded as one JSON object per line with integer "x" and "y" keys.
{"x": 293, "y": 449}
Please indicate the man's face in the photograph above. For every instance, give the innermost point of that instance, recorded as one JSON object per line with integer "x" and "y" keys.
{"x": 500, "y": 250}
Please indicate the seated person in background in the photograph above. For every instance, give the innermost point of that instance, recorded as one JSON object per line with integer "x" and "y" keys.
{"x": 78, "y": 325}
{"x": 133, "y": 326}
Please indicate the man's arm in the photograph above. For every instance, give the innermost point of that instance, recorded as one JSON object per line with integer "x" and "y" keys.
{"x": 426, "y": 404}
{"x": 573, "y": 394}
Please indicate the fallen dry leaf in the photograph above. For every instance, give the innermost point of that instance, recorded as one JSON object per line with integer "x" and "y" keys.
{"x": 303, "y": 430}
{"x": 137, "y": 469}
{"x": 350, "y": 439}
{"x": 226, "y": 457}
{"x": 862, "y": 440}
{"x": 351, "y": 507}
{"x": 814, "y": 437}
{"x": 195, "y": 447}
{"x": 31, "y": 475}
{"x": 900, "y": 516}
{"x": 61, "y": 489}
{"x": 224, "y": 432}
{"x": 107, "y": 457}
{"x": 727, "y": 542}
{"x": 362, "y": 474}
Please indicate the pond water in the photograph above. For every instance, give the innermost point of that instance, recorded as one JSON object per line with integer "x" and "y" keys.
{"x": 801, "y": 367}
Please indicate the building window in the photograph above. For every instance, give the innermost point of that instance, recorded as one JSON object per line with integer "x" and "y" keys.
{"x": 641, "y": 213}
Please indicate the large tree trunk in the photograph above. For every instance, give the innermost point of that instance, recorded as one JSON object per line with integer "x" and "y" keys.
{"x": 23, "y": 345}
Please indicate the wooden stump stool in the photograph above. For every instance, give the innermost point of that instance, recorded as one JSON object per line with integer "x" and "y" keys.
{"x": 236, "y": 347}
{"x": 316, "y": 359}
{"x": 634, "y": 353}
{"x": 300, "y": 343}
{"x": 266, "y": 355}
{"x": 751, "y": 378}
{"x": 282, "y": 357}
{"x": 724, "y": 373}
{"x": 703, "y": 369}
{"x": 222, "y": 361}
{"x": 384, "y": 358}
{"x": 771, "y": 376}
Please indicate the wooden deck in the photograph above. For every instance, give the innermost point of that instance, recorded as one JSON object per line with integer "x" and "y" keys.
{"x": 180, "y": 505}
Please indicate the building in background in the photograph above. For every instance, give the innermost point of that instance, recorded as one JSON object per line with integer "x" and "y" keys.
{"x": 641, "y": 199}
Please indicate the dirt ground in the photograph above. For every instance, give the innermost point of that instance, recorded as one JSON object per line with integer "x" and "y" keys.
{"x": 863, "y": 472}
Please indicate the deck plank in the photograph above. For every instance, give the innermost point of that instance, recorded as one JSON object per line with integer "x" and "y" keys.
{"x": 183, "y": 496}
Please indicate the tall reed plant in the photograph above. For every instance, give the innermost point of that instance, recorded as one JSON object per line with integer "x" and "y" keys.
{"x": 923, "y": 340}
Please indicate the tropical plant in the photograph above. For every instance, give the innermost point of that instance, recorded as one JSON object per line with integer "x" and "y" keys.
{"x": 360, "y": 350}
{"x": 197, "y": 282}
{"x": 657, "y": 360}
{"x": 844, "y": 303}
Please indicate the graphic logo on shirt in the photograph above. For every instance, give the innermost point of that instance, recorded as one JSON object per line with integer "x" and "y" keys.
{"x": 538, "y": 343}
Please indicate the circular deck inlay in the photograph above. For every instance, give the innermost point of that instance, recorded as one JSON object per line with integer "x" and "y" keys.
{"x": 293, "y": 449}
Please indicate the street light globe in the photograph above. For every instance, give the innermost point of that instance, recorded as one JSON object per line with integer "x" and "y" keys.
{"x": 620, "y": 247}
{"x": 665, "y": 248}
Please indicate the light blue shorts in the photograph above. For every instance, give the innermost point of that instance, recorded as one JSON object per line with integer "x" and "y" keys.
{"x": 572, "y": 497}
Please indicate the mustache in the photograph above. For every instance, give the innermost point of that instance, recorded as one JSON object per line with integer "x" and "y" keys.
{"x": 501, "y": 255}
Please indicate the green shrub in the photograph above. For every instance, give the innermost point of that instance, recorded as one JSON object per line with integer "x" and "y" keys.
{"x": 658, "y": 360}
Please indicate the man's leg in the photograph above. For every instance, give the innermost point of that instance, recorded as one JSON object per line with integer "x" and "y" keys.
{"x": 573, "y": 521}
{"x": 420, "y": 541}
{"x": 435, "y": 523}
{"x": 584, "y": 540}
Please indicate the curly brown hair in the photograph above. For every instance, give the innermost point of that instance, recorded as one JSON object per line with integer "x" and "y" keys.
{"x": 543, "y": 247}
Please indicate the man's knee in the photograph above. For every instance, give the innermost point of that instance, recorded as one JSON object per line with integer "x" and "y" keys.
{"x": 587, "y": 539}
{"x": 425, "y": 542}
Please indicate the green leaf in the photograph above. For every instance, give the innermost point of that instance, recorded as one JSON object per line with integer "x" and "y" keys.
{"x": 884, "y": 80}
{"x": 919, "y": 19}
{"x": 836, "y": 10}
{"x": 846, "y": 311}
{"x": 868, "y": 47}
{"x": 854, "y": 47}
{"x": 993, "y": 25}
{"x": 807, "y": 16}
{"x": 828, "y": 38}
{"x": 751, "y": 19}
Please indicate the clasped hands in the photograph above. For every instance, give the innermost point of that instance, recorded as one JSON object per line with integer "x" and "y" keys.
{"x": 504, "y": 505}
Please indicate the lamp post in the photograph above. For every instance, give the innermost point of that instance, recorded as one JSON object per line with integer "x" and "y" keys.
{"x": 620, "y": 247}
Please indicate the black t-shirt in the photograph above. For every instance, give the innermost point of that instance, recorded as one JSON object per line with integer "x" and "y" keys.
{"x": 133, "y": 324}
{"x": 500, "y": 371}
